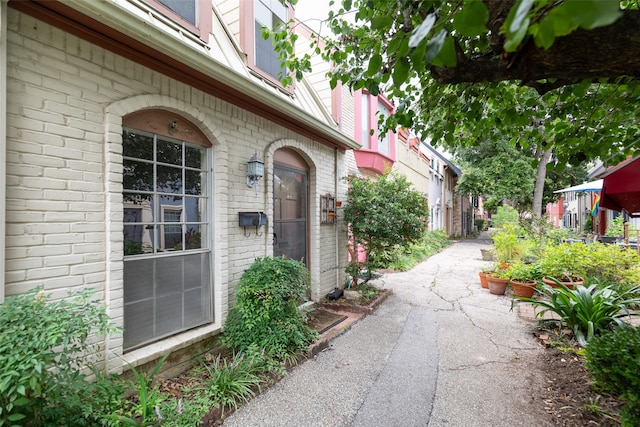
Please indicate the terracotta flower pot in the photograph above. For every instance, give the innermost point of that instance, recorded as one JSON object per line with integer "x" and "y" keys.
{"x": 568, "y": 284}
{"x": 497, "y": 286}
{"x": 483, "y": 279}
{"x": 523, "y": 289}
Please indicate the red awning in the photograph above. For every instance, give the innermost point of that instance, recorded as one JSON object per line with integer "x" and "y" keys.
{"x": 621, "y": 188}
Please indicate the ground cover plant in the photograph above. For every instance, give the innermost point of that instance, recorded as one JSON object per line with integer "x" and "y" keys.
{"x": 414, "y": 253}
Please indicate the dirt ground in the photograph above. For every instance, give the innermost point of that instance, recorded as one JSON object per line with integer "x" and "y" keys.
{"x": 568, "y": 395}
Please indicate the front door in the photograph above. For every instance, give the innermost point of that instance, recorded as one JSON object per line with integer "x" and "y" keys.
{"x": 290, "y": 195}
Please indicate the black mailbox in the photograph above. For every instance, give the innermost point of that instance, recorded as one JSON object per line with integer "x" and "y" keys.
{"x": 252, "y": 219}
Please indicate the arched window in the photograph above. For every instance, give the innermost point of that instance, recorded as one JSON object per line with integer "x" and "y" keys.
{"x": 167, "y": 273}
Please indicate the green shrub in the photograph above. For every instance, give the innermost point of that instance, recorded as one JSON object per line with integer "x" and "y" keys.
{"x": 265, "y": 313}
{"x": 614, "y": 360}
{"x": 609, "y": 263}
{"x": 505, "y": 215}
{"x": 587, "y": 311}
{"x": 563, "y": 261}
{"x": 37, "y": 335}
{"x": 383, "y": 215}
{"x": 616, "y": 227}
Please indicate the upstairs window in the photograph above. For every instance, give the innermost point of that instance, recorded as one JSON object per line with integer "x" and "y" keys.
{"x": 187, "y": 9}
{"x": 270, "y": 14}
{"x": 193, "y": 15}
{"x": 261, "y": 55}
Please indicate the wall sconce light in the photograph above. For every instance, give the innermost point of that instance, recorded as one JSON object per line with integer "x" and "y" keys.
{"x": 255, "y": 171}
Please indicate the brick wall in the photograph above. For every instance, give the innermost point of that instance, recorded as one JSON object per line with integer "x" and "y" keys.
{"x": 66, "y": 99}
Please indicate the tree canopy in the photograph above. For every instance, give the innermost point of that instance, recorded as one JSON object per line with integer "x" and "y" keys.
{"x": 560, "y": 74}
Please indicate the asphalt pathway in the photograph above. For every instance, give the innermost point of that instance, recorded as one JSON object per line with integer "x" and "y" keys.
{"x": 441, "y": 351}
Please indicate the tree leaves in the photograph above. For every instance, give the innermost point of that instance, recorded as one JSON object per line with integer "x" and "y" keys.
{"x": 471, "y": 20}
{"x": 422, "y": 30}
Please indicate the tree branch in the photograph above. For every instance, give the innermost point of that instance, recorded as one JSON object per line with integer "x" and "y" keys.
{"x": 606, "y": 52}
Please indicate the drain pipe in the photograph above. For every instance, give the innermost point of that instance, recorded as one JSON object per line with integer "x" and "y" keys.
{"x": 3, "y": 138}
{"x": 337, "y": 224}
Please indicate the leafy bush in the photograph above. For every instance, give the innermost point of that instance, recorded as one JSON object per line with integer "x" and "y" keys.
{"x": 522, "y": 272}
{"x": 616, "y": 227}
{"x": 383, "y": 215}
{"x": 505, "y": 215}
{"x": 587, "y": 311}
{"x": 563, "y": 261}
{"x": 265, "y": 313}
{"x": 508, "y": 247}
{"x": 37, "y": 335}
{"x": 608, "y": 263}
{"x": 614, "y": 360}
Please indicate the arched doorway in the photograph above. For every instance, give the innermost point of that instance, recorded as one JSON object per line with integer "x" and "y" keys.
{"x": 290, "y": 205}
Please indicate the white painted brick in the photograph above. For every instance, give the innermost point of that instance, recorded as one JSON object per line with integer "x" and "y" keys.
{"x": 24, "y": 264}
{"x": 23, "y": 217}
{"x": 47, "y": 228}
{"x": 44, "y": 116}
{"x": 15, "y": 276}
{"x": 62, "y": 195}
{"x": 64, "y": 260}
{"x": 46, "y": 205}
{"x": 63, "y": 152}
{"x": 65, "y": 174}
{"x": 40, "y": 160}
{"x": 44, "y": 183}
{"x": 82, "y": 269}
{"x": 55, "y": 239}
{"x": 47, "y": 272}
{"x": 24, "y": 170}
{"x": 64, "y": 216}
{"x": 63, "y": 282}
{"x": 44, "y": 251}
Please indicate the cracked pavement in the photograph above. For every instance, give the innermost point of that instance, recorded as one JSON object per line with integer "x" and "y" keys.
{"x": 440, "y": 351}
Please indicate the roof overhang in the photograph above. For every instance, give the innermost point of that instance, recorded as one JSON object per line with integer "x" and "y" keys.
{"x": 110, "y": 27}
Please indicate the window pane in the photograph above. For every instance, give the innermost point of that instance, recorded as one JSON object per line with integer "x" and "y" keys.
{"x": 266, "y": 56}
{"x": 262, "y": 15}
{"x": 168, "y": 152}
{"x": 183, "y": 8}
{"x": 384, "y": 137}
{"x": 137, "y": 146}
{"x": 194, "y": 157}
{"x": 137, "y": 175}
{"x": 164, "y": 296}
{"x": 193, "y": 236}
{"x": 194, "y": 182}
{"x": 169, "y": 179}
{"x": 195, "y": 209}
{"x": 366, "y": 125}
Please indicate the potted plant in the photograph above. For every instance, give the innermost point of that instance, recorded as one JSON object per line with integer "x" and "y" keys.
{"x": 507, "y": 246}
{"x": 524, "y": 277}
{"x": 498, "y": 280}
{"x": 563, "y": 263}
{"x": 486, "y": 271}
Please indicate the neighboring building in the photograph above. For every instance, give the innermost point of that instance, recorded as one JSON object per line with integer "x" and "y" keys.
{"x": 129, "y": 130}
{"x": 555, "y": 212}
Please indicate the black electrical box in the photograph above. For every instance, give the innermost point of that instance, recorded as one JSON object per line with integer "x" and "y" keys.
{"x": 252, "y": 219}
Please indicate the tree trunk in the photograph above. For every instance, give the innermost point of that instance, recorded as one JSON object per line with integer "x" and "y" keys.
{"x": 541, "y": 174}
